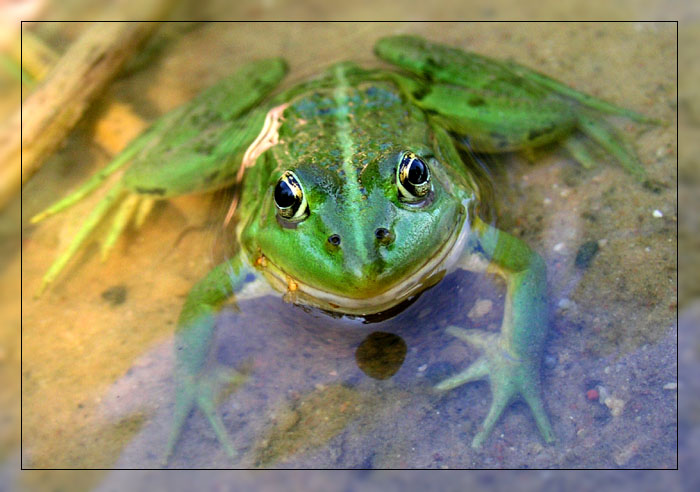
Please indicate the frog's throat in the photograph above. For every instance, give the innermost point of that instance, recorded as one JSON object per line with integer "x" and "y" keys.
{"x": 427, "y": 275}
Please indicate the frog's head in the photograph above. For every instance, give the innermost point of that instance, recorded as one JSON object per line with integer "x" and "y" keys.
{"x": 351, "y": 239}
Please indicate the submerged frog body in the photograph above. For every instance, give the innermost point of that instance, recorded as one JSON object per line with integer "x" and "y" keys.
{"x": 352, "y": 196}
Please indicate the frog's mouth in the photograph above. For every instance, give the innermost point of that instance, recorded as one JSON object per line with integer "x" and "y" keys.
{"x": 424, "y": 277}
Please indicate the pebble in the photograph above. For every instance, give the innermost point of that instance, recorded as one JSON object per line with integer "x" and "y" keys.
{"x": 481, "y": 308}
{"x": 550, "y": 361}
{"x": 671, "y": 386}
{"x": 585, "y": 254}
{"x": 657, "y": 213}
{"x": 558, "y": 247}
{"x": 115, "y": 295}
{"x": 602, "y": 392}
{"x": 615, "y": 405}
{"x": 565, "y": 303}
{"x": 628, "y": 452}
{"x": 592, "y": 394}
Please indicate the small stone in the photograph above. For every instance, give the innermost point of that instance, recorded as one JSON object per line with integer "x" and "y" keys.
{"x": 115, "y": 295}
{"x": 547, "y": 201}
{"x": 536, "y": 448}
{"x": 628, "y": 452}
{"x": 558, "y": 247}
{"x": 422, "y": 368}
{"x": 602, "y": 392}
{"x": 565, "y": 303}
{"x": 615, "y": 405}
{"x": 550, "y": 361}
{"x": 481, "y": 308}
{"x": 592, "y": 394}
{"x": 671, "y": 386}
{"x": 585, "y": 254}
{"x": 657, "y": 213}
{"x": 602, "y": 243}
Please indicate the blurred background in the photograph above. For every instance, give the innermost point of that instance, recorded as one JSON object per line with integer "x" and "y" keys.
{"x": 102, "y": 117}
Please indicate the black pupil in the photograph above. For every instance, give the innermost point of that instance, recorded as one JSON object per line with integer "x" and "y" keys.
{"x": 418, "y": 172}
{"x": 381, "y": 233}
{"x": 284, "y": 197}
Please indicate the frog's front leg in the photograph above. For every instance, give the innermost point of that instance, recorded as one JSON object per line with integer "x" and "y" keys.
{"x": 198, "y": 385}
{"x": 510, "y": 359}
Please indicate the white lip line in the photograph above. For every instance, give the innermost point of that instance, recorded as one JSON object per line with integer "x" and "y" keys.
{"x": 396, "y": 294}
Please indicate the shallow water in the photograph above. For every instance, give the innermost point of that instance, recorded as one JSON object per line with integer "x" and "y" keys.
{"x": 97, "y": 347}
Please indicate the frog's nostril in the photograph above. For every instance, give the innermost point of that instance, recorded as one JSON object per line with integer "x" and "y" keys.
{"x": 383, "y": 235}
{"x": 334, "y": 240}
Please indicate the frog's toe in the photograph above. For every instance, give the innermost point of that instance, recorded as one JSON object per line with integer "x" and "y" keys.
{"x": 531, "y": 395}
{"x": 133, "y": 209}
{"x": 478, "y": 338}
{"x": 123, "y": 215}
{"x": 203, "y": 392}
{"x": 508, "y": 376}
{"x": 502, "y": 396}
{"x": 478, "y": 370}
{"x": 103, "y": 207}
{"x": 608, "y": 138}
{"x": 130, "y": 208}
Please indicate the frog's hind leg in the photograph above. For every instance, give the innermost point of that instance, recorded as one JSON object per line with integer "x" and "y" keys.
{"x": 128, "y": 208}
{"x": 607, "y": 137}
{"x": 114, "y": 196}
{"x": 580, "y": 97}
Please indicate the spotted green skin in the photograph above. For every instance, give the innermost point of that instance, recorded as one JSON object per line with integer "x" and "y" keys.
{"x": 343, "y": 135}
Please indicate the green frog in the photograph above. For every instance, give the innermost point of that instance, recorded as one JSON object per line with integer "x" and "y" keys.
{"x": 352, "y": 195}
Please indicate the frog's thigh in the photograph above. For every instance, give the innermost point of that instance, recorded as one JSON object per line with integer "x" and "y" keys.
{"x": 200, "y": 146}
{"x": 496, "y": 123}
{"x": 203, "y": 160}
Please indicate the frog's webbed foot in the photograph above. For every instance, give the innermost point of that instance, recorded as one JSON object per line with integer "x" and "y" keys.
{"x": 204, "y": 392}
{"x": 129, "y": 208}
{"x": 509, "y": 378}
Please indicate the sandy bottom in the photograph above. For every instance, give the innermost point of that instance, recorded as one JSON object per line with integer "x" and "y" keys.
{"x": 97, "y": 346}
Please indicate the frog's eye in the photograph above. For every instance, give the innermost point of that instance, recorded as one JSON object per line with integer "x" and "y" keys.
{"x": 289, "y": 197}
{"x": 412, "y": 178}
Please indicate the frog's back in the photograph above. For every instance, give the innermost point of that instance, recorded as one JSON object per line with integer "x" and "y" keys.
{"x": 347, "y": 119}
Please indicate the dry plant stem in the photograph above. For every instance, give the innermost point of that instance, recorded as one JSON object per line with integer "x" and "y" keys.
{"x": 51, "y": 111}
{"x": 36, "y": 57}
{"x": 58, "y": 103}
